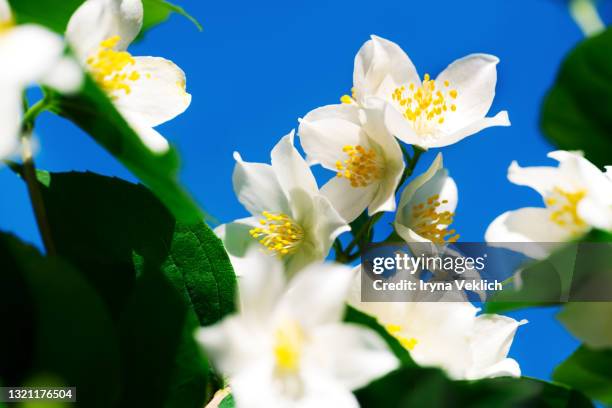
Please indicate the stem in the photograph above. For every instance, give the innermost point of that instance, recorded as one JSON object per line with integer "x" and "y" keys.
{"x": 586, "y": 16}
{"x": 30, "y": 116}
{"x": 411, "y": 164}
{"x": 363, "y": 232}
{"x": 29, "y": 174}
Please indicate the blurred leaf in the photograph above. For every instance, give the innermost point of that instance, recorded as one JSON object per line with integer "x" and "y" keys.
{"x": 576, "y": 112}
{"x": 55, "y": 324}
{"x": 541, "y": 284}
{"x": 228, "y": 402}
{"x": 117, "y": 230}
{"x": 414, "y": 387}
{"x": 55, "y": 14}
{"x": 589, "y": 371}
{"x": 591, "y": 322}
{"x": 94, "y": 113}
{"x": 355, "y": 316}
{"x": 162, "y": 364}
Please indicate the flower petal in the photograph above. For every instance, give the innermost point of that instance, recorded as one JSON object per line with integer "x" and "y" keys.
{"x": 325, "y": 226}
{"x": 237, "y": 241}
{"x": 10, "y": 121}
{"x": 490, "y": 344}
{"x": 6, "y": 15}
{"x": 158, "y": 95}
{"x": 315, "y": 296}
{"x": 381, "y": 66}
{"x": 501, "y": 119}
{"x": 407, "y": 197}
{"x": 225, "y": 343}
{"x": 347, "y": 200}
{"x": 325, "y": 131}
{"x": 258, "y": 188}
{"x": 66, "y": 76}
{"x": 531, "y": 225}
{"x": 474, "y": 78}
{"x": 581, "y": 174}
{"x": 292, "y": 171}
{"x": 595, "y": 213}
{"x": 98, "y": 20}
{"x": 29, "y": 52}
{"x": 261, "y": 285}
{"x": 150, "y": 137}
{"x": 400, "y": 128}
{"x": 542, "y": 179}
{"x": 355, "y": 355}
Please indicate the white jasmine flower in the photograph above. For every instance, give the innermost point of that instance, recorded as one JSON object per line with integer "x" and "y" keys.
{"x": 290, "y": 218}
{"x": 148, "y": 91}
{"x": 577, "y": 197}
{"x": 432, "y": 112}
{"x": 287, "y": 347}
{"x": 355, "y": 143}
{"x": 30, "y": 54}
{"x": 448, "y": 335}
{"x": 427, "y": 207}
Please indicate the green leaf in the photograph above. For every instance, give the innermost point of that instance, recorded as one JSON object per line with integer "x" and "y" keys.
{"x": 162, "y": 364}
{"x": 158, "y": 11}
{"x": 55, "y": 14}
{"x": 115, "y": 231}
{"x": 95, "y": 114}
{"x": 55, "y": 325}
{"x": 414, "y": 387}
{"x": 357, "y": 317}
{"x": 591, "y": 322}
{"x": 228, "y": 402}
{"x": 588, "y": 370}
{"x": 576, "y": 111}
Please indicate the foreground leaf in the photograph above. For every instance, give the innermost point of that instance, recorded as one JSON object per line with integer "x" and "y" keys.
{"x": 588, "y": 370}
{"x": 576, "y": 112}
{"x": 116, "y": 231}
{"x": 56, "y": 326}
{"x": 55, "y": 14}
{"x": 94, "y": 113}
{"x": 414, "y": 387}
{"x": 591, "y": 322}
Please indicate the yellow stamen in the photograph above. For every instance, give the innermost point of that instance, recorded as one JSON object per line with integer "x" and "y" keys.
{"x": 395, "y": 330}
{"x": 110, "y": 68}
{"x": 278, "y": 233}
{"x": 426, "y": 106}
{"x": 362, "y": 166}
{"x": 346, "y": 99}
{"x": 349, "y": 99}
{"x": 6, "y": 25}
{"x": 432, "y": 224}
{"x": 288, "y": 346}
{"x": 564, "y": 206}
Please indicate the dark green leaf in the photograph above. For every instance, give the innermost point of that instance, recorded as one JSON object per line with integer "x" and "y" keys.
{"x": 116, "y": 230}
{"x": 55, "y": 325}
{"x": 355, "y": 316}
{"x": 94, "y": 112}
{"x": 590, "y": 371}
{"x": 576, "y": 112}
{"x": 414, "y": 387}
{"x": 55, "y": 14}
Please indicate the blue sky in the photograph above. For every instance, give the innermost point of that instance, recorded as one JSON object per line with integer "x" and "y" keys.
{"x": 258, "y": 66}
